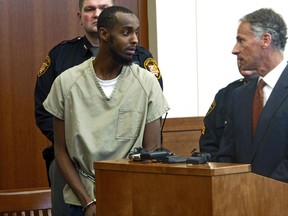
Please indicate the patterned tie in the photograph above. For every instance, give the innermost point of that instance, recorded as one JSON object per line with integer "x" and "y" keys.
{"x": 257, "y": 104}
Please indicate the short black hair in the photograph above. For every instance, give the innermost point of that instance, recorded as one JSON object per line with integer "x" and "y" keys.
{"x": 107, "y": 18}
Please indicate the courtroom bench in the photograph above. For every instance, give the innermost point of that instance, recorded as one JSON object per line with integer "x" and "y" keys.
{"x": 26, "y": 202}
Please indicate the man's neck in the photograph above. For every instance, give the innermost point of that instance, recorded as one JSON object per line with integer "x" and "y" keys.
{"x": 93, "y": 39}
{"x": 270, "y": 63}
{"x": 106, "y": 69}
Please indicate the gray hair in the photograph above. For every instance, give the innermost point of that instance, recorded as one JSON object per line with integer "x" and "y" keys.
{"x": 266, "y": 20}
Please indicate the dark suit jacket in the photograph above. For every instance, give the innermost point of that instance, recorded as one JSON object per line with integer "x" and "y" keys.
{"x": 267, "y": 152}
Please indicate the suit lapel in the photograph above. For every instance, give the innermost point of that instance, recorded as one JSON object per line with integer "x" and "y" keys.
{"x": 278, "y": 95}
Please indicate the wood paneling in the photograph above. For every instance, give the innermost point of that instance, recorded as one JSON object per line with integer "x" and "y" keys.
{"x": 28, "y": 30}
{"x": 181, "y": 135}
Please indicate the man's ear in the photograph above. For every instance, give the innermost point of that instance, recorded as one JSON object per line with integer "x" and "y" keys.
{"x": 266, "y": 38}
{"x": 103, "y": 34}
{"x": 79, "y": 17}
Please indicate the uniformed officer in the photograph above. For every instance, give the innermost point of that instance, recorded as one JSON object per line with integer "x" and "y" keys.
{"x": 63, "y": 56}
{"x": 215, "y": 119}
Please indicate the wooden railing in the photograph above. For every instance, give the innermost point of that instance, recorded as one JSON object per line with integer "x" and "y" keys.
{"x": 25, "y": 202}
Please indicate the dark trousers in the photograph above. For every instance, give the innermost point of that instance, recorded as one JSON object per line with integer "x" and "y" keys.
{"x": 59, "y": 207}
{"x": 75, "y": 211}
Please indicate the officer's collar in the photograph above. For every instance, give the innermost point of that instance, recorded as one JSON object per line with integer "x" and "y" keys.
{"x": 86, "y": 47}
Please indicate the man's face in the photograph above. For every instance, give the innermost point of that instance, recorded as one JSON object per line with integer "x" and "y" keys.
{"x": 123, "y": 38}
{"x": 90, "y": 12}
{"x": 247, "y": 48}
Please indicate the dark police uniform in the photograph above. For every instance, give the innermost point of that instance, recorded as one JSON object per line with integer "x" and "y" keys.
{"x": 215, "y": 119}
{"x": 64, "y": 56}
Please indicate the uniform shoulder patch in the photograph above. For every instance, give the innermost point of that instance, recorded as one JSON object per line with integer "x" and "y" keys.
{"x": 44, "y": 66}
{"x": 151, "y": 65}
{"x": 211, "y": 108}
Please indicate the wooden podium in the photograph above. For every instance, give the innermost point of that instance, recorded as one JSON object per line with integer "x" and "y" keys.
{"x": 217, "y": 189}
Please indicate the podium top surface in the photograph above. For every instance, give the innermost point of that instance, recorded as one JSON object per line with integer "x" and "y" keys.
{"x": 208, "y": 169}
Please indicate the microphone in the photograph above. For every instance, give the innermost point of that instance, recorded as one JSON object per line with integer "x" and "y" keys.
{"x": 163, "y": 128}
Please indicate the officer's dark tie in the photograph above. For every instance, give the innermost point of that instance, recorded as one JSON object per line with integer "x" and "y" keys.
{"x": 257, "y": 104}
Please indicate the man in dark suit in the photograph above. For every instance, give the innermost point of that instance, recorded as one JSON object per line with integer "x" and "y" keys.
{"x": 261, "y": 39}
